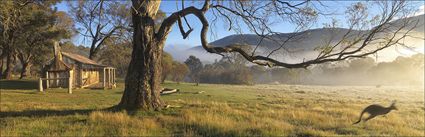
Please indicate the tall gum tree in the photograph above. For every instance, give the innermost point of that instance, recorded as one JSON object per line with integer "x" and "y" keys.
{"x": 142, "y": 85}
{"x": 144, "y": 72}
{"x": 19, "y": 20}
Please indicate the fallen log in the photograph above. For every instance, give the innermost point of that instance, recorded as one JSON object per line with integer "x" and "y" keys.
{"x": 200, "y": 92}
{"x": 167, "y": 91}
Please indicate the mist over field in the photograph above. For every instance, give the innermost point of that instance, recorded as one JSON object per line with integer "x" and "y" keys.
{"x": 396, "y": 65}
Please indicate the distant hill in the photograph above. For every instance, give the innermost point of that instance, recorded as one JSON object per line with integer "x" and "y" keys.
{"x": 420, "y": 20}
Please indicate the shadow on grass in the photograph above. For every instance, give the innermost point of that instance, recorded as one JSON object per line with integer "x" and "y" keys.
{"x": 213, "y": 131}
{"x": 44, "y": 113}
{"x": 47, "y": 113}
{"x": 23, "y": 92}
{"x": 18, "y": 84}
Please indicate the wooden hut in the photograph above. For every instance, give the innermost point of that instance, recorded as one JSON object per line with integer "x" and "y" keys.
{"x": 73, "y": 70}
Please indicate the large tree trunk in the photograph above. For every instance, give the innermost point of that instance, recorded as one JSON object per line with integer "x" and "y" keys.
{"x": 142, "y": 83}
{"x": 91, "y": 55}
{"x": 1, "y": 67}
{"x": 8, "y": 72}
{"x": 25, "y": 70}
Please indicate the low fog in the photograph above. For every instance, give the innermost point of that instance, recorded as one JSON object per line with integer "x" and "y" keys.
{"x": 398, "y": 65}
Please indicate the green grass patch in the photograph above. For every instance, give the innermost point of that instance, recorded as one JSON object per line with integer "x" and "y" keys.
{"x": 219, "y": 110}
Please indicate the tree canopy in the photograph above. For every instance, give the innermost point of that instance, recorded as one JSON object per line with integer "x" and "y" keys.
{"x": 28, "y": 28}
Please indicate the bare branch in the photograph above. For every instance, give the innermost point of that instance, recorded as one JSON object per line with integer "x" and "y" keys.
{"x": 377, "y": 35}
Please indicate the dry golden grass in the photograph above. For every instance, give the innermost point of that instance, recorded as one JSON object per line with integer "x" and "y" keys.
{"x": 223, "y": 110}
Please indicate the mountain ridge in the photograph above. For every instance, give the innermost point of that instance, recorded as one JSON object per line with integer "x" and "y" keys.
{"x": 314, "y": 35}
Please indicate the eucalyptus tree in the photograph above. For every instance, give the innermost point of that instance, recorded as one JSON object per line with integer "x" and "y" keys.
{"x": 10, "y": 24}
{"x": 25, "y": 24}
{"x": 44, "y": 26}
{"x": 195, "y": 67}
{"x": 179, "y": 71}
{"x": 143, "y": 78}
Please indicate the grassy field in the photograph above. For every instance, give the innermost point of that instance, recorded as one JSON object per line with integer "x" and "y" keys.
{"x": 222, "y": 110}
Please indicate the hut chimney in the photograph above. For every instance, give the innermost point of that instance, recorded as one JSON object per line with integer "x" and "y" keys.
{"x": 57, "y": 50}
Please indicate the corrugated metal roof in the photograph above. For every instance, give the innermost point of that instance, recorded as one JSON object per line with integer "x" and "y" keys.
{"x": 81, "y": 59}
{"x": 60, "y": 65}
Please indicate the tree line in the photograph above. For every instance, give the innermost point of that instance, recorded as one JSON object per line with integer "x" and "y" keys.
{"x": 364, "y": 71}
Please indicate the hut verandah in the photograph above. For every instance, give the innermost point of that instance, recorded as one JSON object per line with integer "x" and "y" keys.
{"x": 73, "y": 70}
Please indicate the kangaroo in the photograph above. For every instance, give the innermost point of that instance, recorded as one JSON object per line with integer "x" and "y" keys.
{"x": 376, "y": 110}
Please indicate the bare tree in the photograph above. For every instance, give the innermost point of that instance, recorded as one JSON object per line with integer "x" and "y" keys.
{"x": 99, "y": 20}
{"x": 143, "y": 79}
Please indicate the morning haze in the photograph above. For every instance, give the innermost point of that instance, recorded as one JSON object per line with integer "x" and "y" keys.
{"x": 212, "y": 68}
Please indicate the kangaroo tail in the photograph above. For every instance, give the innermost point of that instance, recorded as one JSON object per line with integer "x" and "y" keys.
{"x": 360, "y": 119}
